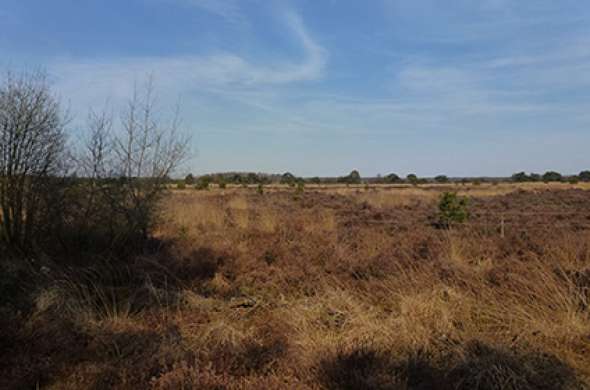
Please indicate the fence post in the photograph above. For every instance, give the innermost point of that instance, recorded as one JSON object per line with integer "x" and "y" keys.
{"x": 502, "y": 231}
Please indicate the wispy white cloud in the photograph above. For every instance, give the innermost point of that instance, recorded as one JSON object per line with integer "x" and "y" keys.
{"x": 229, "y": 10}
{"x": 181, "y": 75}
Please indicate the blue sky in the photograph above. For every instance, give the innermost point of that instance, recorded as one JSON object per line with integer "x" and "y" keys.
{"x": 315, "y": 87}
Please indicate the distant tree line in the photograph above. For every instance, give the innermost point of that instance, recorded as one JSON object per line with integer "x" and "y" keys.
{"x": 355, "y": 178}
{"x": 222, "y": 179}
{"x": 550, "y": 176}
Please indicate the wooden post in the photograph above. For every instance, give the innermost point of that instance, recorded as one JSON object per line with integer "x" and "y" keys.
{"x": 502, "y": 231}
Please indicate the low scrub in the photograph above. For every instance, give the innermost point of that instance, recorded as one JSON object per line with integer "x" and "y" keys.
{"x": 452, "y": 209}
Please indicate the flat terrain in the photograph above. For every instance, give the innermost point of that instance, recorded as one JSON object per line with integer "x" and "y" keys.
{"x": 332, "y": 288}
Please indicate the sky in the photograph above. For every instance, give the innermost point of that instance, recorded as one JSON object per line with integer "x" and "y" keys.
{"x": 322, "y": 87}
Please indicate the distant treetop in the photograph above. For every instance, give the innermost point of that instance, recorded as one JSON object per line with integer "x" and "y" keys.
{"x": 392, "y": 178}
{"x": 353, "y": 177}
{"x": 584, "y": 176}
{"x": 552, "y": 176}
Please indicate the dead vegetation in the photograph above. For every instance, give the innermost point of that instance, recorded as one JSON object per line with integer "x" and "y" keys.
{"x": 333, "y": 289}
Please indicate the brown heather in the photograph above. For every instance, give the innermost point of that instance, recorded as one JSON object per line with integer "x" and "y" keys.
{"x": 338, "y": 288}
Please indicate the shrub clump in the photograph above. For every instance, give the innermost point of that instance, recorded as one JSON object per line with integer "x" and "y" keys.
{"x": 452, "y": 209}
{"x": 203, "y": 183}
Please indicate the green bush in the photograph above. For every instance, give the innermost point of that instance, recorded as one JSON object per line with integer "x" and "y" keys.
{"x": 260, "y": 189}
{"x": 180, "y": 186}
{"x": 391, "y": 178}
{"x": 412, "y": 179}
{"x": 300, "y": 187}
{"x": 189, "y": 179}
{"x": 353, "y": 177}
{"x": 288, "y": 178}
{"x": 584, "y": 175}
{"x": 520, "y": 177}
{"x": 452, "y": 209}
{"x": 552, "y": 176}
{"x": 535, "y": 177}
{"x": 441, "y": 179}
{"x": 203, "y": 183}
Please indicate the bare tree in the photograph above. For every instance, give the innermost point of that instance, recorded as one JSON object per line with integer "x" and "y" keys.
{"x": 32, "y": 142}
{"x": 147, "y": 147}
{"x": 95, "y": 166}
{"x": 128, "y": 164}
{"x": 96, "y": 156}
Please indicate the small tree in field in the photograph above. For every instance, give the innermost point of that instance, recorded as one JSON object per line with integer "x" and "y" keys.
{"x": 535, "y": 177}
{"x": 288, "y": 178}
{"x": 353, "y": 177}
{"x": 552, "y": 176}
{"x": 412, "y": 179}
{"x": 391, "y": 178}
{"x": 452, "y": 209}
{"x": 189, "y": 180}
{"x": 441, "y": 179}
{"x": 520, "y": 177}
{"x": 203, "y": 182}
{"x": 300, "y": 188}
{"x": 222, "y": 182}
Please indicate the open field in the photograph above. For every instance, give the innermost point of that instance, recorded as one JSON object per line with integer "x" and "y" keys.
{"x": 335, "y": 288}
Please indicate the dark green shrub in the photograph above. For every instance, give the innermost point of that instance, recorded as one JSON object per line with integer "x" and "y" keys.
{"x": 189, "y": 180}
{"x": 222, "y": 183}
{"x": 441, "y": 179}
{"x": 452, "y": 209}
{"x": 353, "y": 177}
{"x": 288, "y": 178}
{"x": 392, "y": 178}
{"x": 520, "y": 177}
{"x": 584, "y": 176}
{"x": 203, "y": 183}
{"x": 300, "y": 187}
{"x": 252, "y": 178}
{"x": 535, "y": 177}
{"x": 260, "y": 189}
{"x": 412, "y": 179}
{"x": 552, "y": 176}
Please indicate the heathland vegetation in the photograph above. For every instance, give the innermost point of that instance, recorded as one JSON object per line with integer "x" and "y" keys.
{"x": 117, "y": 274}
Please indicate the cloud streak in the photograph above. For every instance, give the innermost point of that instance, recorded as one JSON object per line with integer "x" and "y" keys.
{"x": 227, "y": 9}
{"x": 188, "y": 74}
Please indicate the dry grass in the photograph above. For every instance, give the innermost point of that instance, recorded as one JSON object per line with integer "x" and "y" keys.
{"x": 340, "y": 288}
